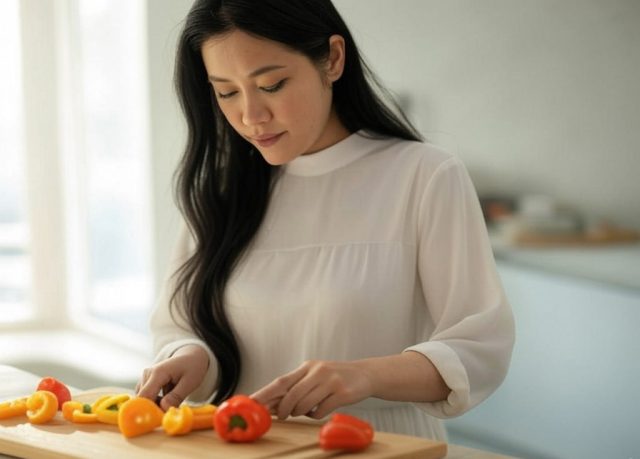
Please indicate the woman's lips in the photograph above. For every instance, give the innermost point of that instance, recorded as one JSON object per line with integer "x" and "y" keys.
{"x": 267, "y": 140}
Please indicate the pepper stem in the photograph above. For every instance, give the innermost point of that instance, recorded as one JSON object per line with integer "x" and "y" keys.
{"x": 237, "y": 422}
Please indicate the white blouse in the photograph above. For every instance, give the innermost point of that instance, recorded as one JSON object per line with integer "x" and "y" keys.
{"x": 369, "y": 248}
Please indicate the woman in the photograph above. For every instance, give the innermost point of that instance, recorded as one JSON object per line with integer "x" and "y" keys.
{"x": 330, "y": 259}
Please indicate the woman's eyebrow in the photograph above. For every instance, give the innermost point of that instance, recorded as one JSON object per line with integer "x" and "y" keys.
{"x": 255, "y": 73}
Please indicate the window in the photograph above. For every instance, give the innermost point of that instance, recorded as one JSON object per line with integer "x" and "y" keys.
{"x": 15, "y": 271}
{"x": 86, "y": 162}
{"x": 113, "y": 159}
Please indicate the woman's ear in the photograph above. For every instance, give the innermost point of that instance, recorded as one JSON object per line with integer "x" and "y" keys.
{"x": 335, "y": 62}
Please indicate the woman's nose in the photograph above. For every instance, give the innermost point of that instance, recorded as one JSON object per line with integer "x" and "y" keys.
{"x": 255, "y": 112}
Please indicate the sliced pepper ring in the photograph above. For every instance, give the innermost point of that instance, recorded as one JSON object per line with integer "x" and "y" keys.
{"x": 106, "y": 408}
{"x": 80, "y": 413}
{"x": 42, "y": 406}
{"x": 13, "y": 408}
{"x": 178, "y": 420}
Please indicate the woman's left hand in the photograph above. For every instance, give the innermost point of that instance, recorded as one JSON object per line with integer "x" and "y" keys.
{"x": 316, "y": 388}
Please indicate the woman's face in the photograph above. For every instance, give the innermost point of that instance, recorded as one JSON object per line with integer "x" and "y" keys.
{"x": 276, "y": 98}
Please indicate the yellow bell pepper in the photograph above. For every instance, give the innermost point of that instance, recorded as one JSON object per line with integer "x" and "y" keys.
{"x": 69, "y": 407}
{"x": 80, "y": 413}
{"x": 80, "y": 417}
{"x": 185, "y": 419}
{"x": 178, "y": 421}
{"x": 42, "y": 406}
{"x": 13, "y": 408}
{"x": 106, "y": 408}
{"x": 99, "y": 401}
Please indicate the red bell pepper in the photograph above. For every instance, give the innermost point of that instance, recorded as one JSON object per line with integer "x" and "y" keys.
{"x": 57, "y": 388}
{"x": 241, "y": 419}
{"x": 346, "y": 432}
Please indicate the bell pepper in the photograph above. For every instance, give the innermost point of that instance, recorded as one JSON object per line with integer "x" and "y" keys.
{"x": 178, "y": 420}
{"x": 42, "y": 406}
{"x": 69, "y": 407}
{"x": 97, "y": 402}
{"x": 138, "y": 416}
{"x": 106, "y": 408}
{"x": 241, "y": 419}
{"x": 13, "y": 408}
{"x": 80, "y": 413}
{"x": 185, "y": 419}
{"x": 57, "y": 388}
{"x": 346, "y": 432}
{"x": 82, "y": 417}
{"x": 203, "y": 416}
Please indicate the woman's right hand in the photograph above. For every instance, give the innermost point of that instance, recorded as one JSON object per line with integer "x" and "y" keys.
{"x": 176, "y": 377}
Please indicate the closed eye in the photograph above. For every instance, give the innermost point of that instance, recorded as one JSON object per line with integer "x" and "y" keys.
{"x": 225, "y": 95}
{"x": 274, "y": 88}
{"x": 269, "y": 89}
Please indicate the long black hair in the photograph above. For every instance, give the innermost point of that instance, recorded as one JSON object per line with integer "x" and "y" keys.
{"x": 222, "y": 185}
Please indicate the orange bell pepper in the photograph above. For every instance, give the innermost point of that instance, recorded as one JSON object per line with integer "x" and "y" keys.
{"x": 346, "y": 432}
{"x": 241, "y": 419}
{"x": 138, "y": 416}
{"x": 42, "y": 406}
{"x": 203, "y": 416}
{"x": 13, "y": 408}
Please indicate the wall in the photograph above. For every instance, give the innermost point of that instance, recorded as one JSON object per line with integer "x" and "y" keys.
{"x": 536, "y": 97}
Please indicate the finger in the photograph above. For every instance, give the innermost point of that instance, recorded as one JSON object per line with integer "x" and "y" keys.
{"x": 177, "y": 394}
{"x": 298, "y": 393}
{"x": 277, "y": 388}
{"x": 171, "y": 399}
{"x": 325, "y": 407}
{"x": 309, "y": 402}
{"x": 272, "y": 404}
{"x": 167, "y": 388}
{"x": 142, "y": 380}
{"x": 153, "y": 385}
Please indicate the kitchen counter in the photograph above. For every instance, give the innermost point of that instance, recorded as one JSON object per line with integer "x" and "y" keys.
{"x": 615, "y": 265}
{"x": 15, "y": 382}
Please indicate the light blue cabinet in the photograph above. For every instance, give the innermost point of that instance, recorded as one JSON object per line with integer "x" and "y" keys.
{"x": 573, "y": 389}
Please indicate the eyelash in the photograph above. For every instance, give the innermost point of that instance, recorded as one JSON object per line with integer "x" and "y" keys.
{"x": 276, "y": 87}
{"x": 268, "y": 89}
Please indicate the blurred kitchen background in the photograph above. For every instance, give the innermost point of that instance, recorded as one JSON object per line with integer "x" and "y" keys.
{"x": 541, "y": 100}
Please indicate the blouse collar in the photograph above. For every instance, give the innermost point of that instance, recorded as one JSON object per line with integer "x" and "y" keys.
{"x": 334, "y": 157}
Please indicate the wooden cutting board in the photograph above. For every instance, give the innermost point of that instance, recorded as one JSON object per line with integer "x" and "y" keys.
{"x": 286, "y": 439}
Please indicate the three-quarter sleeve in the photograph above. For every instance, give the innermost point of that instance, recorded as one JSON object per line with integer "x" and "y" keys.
{"x": 171, "y": 332}
{"x": 473, "y": 333}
